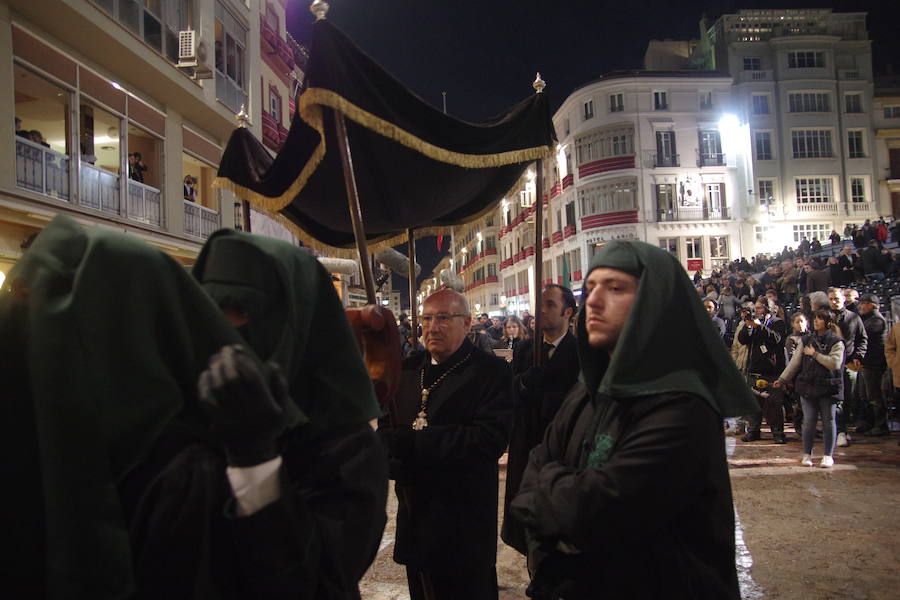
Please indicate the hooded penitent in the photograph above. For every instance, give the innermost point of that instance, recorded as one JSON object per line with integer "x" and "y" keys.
{"x": 296, "y": 321}
{"x": 668, "y": 343}
{"x": 103, "y": 339}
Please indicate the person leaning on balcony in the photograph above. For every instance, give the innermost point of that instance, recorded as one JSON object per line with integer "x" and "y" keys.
{"x": 190, "y": 192}
{"x": 136, "y": 167}
{"x": 22, "y": 133}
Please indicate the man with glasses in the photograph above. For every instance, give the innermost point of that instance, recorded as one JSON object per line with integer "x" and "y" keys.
{"x": 453, "y": 411}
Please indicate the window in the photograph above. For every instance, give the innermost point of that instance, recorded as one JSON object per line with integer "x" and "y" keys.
{"x": 665, "y": 149}
{"x": 199, "y": 192}
{"x": 598, "y": 145}
{"x": 857, "y": 189}
{"x": 588, "y": 110}
{"x": 670, "y": 244}
{"x": 766, "y": 190}
{"x": 763, "y": 233}
{"x": 892, "y": 112}
{"x": 715, "y": 199}
{"x": 752, "y": 63}
{"x": 806, "y": 60}
{"x": 275, "y": 104}
{"x": 706, "y": 99}
{"x": 492, "y": 270}
{"x": 43, "y": 137}
{"x": 616, "y": 196}
{"x": 811, "y": 231}
{"x": 570, "y": 214}
{"x": 855, "y": 144}
{"x": 853, "y": 103}
{"x": 718, "y": 246}
{"x": 711, "y": 148}
{"x": 495, "y": 299}
{"x": 157, "y": 22}
{"x": 693, "y": 247}
{"x": 760, "y": 104}
{"x": 811, "y": 143}
{"x": 616, "y": 102}
{"x": 808, "y": 102}
{"x": 814, "y": 190}
{"x": 665, "y": 198}
{"x": 763, "y": 145}
{"x": 231, "y": 61}
{"x": 490, "y": 243}
{"x": 660, "y": 101}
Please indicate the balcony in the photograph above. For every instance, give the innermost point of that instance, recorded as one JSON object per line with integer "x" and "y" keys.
{"x": 273, "y": 132}
{"x": 607, "y": 164}
{"x": 568, "y": 231}
{"x": 606, "y": 219}
{"x": 861, "y": 208}
{"x": 699, "y": 213}
{"x": 665, "y": 160}
{"x": 144, "y": 204}
{"x": 529, "y": 251}
{"x": 750, "y": 76}
{"x": 277, "y": 52}
{"x": 199, "y": 221}
{"x": 710, "y": 159}
{"x": 568, "y": 181}
{"x": 40, "y": 169}
{"x": 545, "y": 243}
{"x": 556, "y": 237}
{"x": 849, "y": 74}
{"x": 817, "y": 208}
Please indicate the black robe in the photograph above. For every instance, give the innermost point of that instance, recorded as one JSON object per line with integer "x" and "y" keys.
{"x": 534, "y": 410}
{"x": 315, "y": 542}
{"x": 646, "y": 503}
{"x": 449, "y": 524}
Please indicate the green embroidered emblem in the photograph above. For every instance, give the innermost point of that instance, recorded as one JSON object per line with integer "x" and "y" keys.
{"x": 600, "y": 454}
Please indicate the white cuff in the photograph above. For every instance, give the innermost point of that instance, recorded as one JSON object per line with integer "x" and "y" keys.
{"x": 255, "y": 487}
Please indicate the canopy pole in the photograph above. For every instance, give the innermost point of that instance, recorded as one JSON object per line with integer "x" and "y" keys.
{"x": 538, "y": 86}
{"x": 359, "y": 231}
{"x": 538, "y": 257}
{"x": 413, "y": 309}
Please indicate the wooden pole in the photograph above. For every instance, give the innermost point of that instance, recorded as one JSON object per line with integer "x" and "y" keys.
{"x": 538, "y": 258}
{"x": 413, "y": 309}
{"x": 359, "y": 231}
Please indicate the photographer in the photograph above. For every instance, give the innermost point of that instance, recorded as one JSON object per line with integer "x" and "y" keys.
{"x": 764, "y": 333}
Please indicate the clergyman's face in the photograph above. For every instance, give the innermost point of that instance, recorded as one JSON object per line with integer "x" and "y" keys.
{"x": 611, "y": 294}
{"x": 448, "y": 327}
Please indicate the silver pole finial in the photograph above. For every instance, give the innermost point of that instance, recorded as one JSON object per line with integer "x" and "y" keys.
{"x": 539, "y": 84}
{"x": 319, "y": 8}
{"x": 242, "y": 117}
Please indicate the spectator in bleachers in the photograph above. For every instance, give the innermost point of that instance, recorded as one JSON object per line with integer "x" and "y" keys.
{"x": 787, "y": 283}
{"x": 847, "y": 261}
{"x": 835, "y": 237}
{"x": 803, "y": 248}
{"x": 818, "y": 279}
{"x": 815, "y": 246}
{"x": 851, "y": 299}
{"x": 874, "y": 261}
{"x": 873, "y": 413}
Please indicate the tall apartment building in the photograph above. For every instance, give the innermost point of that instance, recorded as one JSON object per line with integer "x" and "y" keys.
{"x": 886, "y": 123}
{"x": 99, "y": 80}
{"x": 803, "y": 82}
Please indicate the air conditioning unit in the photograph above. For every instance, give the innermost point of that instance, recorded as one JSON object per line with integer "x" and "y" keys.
{"x": 187, "y": 48}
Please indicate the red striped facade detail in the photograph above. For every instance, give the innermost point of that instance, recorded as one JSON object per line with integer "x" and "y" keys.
{"x": 568, "y": 231}
{"x": 545, "y": 243}
{"x": 556, "y": 237}
{"x": 607, "y": 164}
{"x": 568, "y": 181}
{"x": 616, "y": 218}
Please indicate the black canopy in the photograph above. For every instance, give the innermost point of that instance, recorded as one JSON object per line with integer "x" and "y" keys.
{"x": 415, "y": 166}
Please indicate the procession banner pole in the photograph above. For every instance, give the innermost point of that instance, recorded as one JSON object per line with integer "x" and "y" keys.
{"x": 538, "y": 86}
{"x": 359, "y": 231}
{"x": 413, "y": 309}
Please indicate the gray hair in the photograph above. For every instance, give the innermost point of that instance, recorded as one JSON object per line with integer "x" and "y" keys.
{"x": 818, "y": 300}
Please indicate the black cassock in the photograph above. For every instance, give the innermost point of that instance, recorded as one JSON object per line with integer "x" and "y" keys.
{"x": 451, "y": 474}
{"x": 643, "y": 509}
{"x": 315, "y": 542}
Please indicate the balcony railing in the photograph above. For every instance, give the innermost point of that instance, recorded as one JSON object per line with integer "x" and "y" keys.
{"x": 144, "y": 203}
{"x": 698, "y": 213}
{"x": 849, "y": 74}
{"x": 711, "y": 159}
{"x": 99, "y": 189}
{"x": 665, "y": 160}
{"x": 199, "y": 221}
{"x": 817, "y": 208}
{"x": 859, "y": 208}
{"x": 42, "y": 170}
{"x": 747, "y": 76}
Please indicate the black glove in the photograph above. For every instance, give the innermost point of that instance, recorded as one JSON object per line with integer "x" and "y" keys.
{"x": 247, "y": 413}
{"x": 399, "y": 441}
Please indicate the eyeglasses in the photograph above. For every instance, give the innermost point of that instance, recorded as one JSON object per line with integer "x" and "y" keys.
{"x": 439, "y": 319}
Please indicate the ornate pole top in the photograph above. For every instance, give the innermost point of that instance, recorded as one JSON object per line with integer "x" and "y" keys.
{"x": 242, "y": 117}
{"x": 319, "y": 8}
{"x": 539, "y": 84}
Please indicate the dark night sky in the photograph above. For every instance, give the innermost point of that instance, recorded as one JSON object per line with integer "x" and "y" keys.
{"x": 484, "y": 53}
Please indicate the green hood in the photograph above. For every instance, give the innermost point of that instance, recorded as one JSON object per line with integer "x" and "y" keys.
{"x": 668, "y": 343}
{"x": 297, "y": 321}
{"x": 111, "y": 335}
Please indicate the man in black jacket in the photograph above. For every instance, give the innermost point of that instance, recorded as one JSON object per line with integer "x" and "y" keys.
{"x": 628, "y": 495}
{"x": 764, "y": 334}
{"x": 874, "y": 421}
{"x": 539, "y": 392}
{"x": 855, "y": 346}
{"x": 453, "y": 411}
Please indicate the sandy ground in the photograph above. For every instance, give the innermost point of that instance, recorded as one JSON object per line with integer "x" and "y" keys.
{"x": 803, "y": 533}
